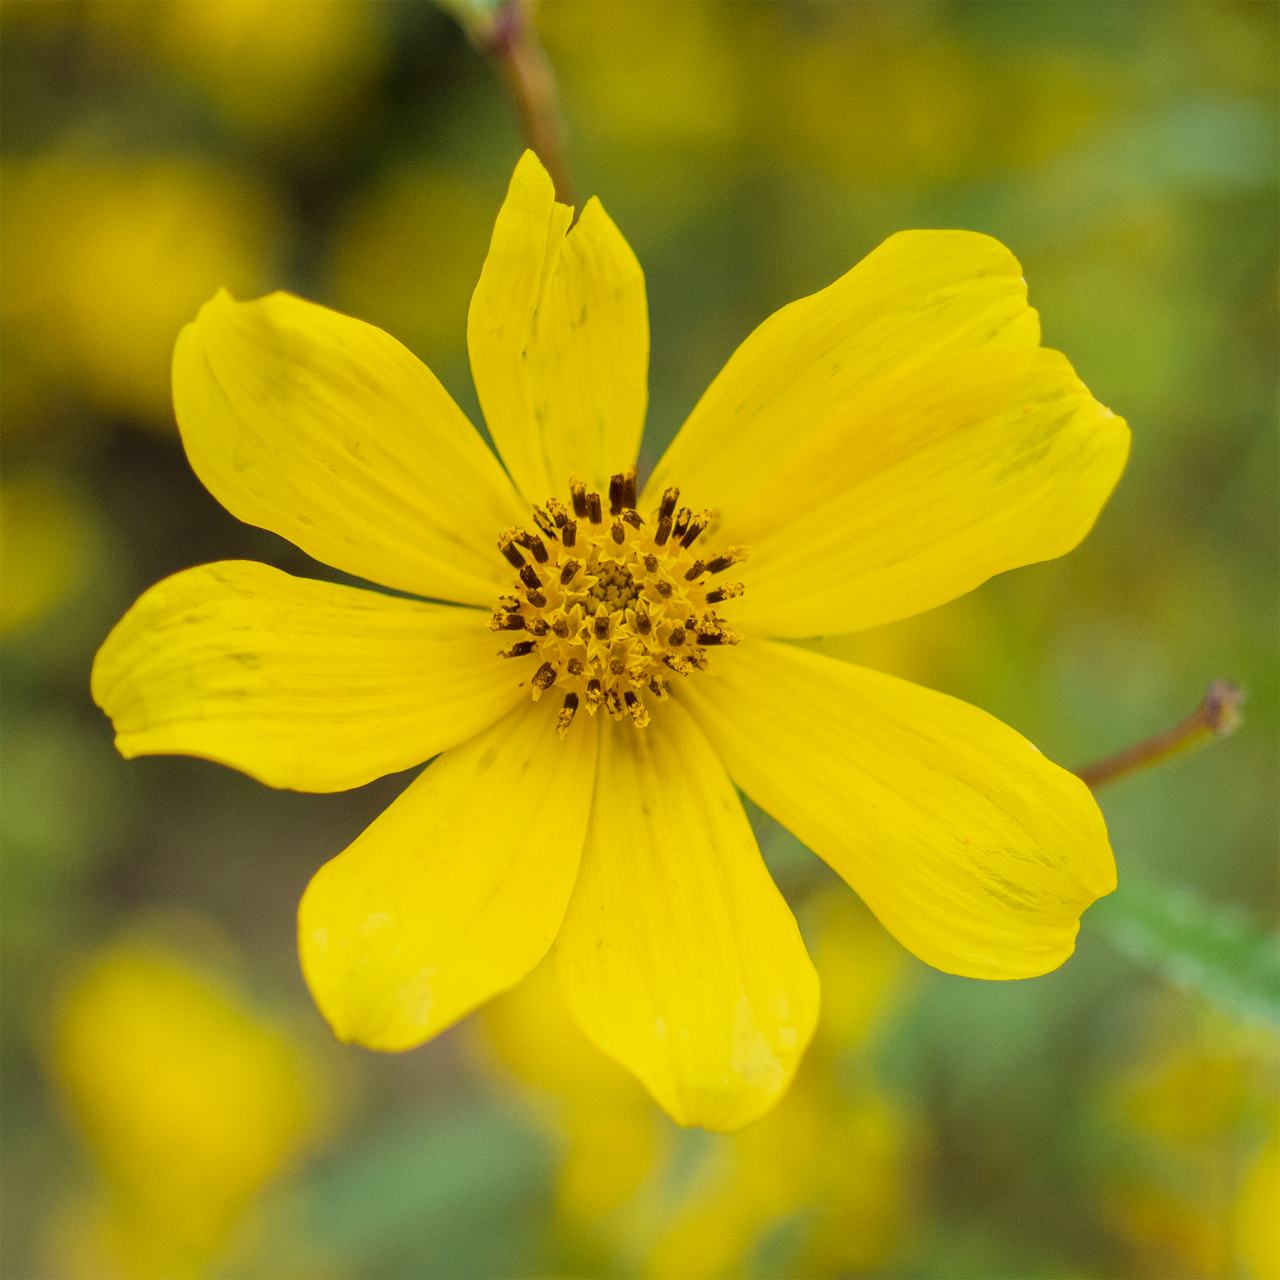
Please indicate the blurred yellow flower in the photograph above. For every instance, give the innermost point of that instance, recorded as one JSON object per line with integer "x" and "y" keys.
{"x": 406, "y": 258}
{"x": 824, "y": 1174}
{"x": 882, "y": 446}
{"x": 189, "y": 1101}
{"x": 274, "y": 69}
{"x": 101, "y": 266}
{"x": 45, "y": 547}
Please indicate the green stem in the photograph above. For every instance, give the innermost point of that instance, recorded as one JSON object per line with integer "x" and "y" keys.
{"x": 1217, "y": 716}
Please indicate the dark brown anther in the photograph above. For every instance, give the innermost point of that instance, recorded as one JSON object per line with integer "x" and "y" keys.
{"x": 663, "y": 531}
{"x": 629, "y": 489}
{"x": 601, "y": 625}
{"x": 595, "y": 693}
{"x": 722, "y": 562}
{"x": 569, "y": 535}
{"x": 695, "y": 571}
{"x": 676, "y": 638}
{"x": 727, "y": 592}
{"x": 529, "y": 578}
{"x": 575, "y": 666}
{"x": 578, "y": 492}
{"x": 595, "y": 512}
{"x": 668, "y": 504}
{"x": 683, "y": 516}
{"x": 544, "y": 522}
{"x": 651, "y": 563}
{"x": 561, "y": 628}
{"x": 618, "y": 532}
{"x": 616, "y": 666}
{"x": 656, "y": 686}
{"x": 633, "y": 518}
{"x": 544, "y": 677}
{"x": 538, "y": 627}
{"x": 615, "y": 704}
{"x": 507, "y": 545}
{"x": 534, "y": 544}
{"x": 615, "y": 494}
{"x": 557, "y": 511}
{"x": 644, "y": 624}
{"x": 567, "y": 712}
{"x": 664, "y": 589}
{"x": 537, "y": 599}
{"x": 710, "y": 637}
{"x": 518, "y": 650}
{"x": 696, "y": 526}
{"x": 510, "y": 622}
{"x": 567, "y": 571}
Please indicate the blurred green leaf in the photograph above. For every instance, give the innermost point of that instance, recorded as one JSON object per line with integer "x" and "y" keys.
{"x": 433, "y": 1195}
{"x": 1203, "y": 949}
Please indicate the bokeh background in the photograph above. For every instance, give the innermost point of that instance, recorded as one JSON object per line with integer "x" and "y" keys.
{"x": 173, "y": 1104}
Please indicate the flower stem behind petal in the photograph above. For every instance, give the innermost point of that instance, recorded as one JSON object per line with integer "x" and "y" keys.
{"x": 507, "y": 32}
{"x": 1217, "y": 716}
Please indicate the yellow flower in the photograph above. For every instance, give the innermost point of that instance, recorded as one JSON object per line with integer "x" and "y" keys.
{"x": 880, "y": 447}
{"x": 190, "y": 1102}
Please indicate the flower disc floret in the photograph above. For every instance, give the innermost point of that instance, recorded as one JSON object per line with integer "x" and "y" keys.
{"x": 613, "y": 604}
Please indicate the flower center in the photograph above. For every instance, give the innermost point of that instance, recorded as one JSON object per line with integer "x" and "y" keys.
{"x": 612, "y": 603}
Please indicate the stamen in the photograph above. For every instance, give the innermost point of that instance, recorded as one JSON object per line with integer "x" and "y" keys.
{"x": 536, "y": 545}
{"x": 724, "y": 560}
{"x": 624, "y": 614}
{"x": 567, "y": 712}
{"x": 696, "y": 526}
{"x": 506, "y": 544}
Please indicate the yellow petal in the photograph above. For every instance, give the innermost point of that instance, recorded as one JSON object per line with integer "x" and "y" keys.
{"x": 1009, "y": 462}
{"x": 678, "y": 955}
{"x": 559, "y": 340}
{"x": 1005, "y": 459}
{"x": 301, "y": 684}
{"x": 328, "y": 432}
{"x": 457, "y": 890}
{"x": 976, "y": 852}
{"x": 920, "y": 297}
